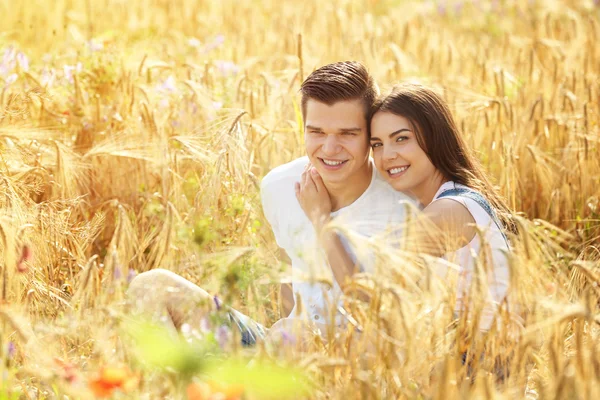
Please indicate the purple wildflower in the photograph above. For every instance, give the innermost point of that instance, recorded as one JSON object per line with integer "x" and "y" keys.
{"x": 9, "y": 55}
{"x": 11, "y": 350}
{"x": 217, "y": 302}
{"x": 441, "y": 7}
{"x": 117, "y": 272}
{"x": 70, "y": 69}
{"x": 458, "y": 7}
{"x": 95, "y": 45}
{"x": 287, "y": 339}
{"x": 222, "y": 336}
{"x": 23, "y": 61}
{"x": 163, "y": 103}
{"x": 169, "y": 85}
{"x": 8, "y": 61}
{"x": 130, "y": 275}
{"x": 226, "y": 68}
{"x": 217, "y": 41}
{"x": 204, "y": 325}
{"x": 12, "y": 78}
{"x": 48, "y": 76}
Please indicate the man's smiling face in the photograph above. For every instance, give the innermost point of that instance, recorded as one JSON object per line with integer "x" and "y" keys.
{"x": 336, "y": 139}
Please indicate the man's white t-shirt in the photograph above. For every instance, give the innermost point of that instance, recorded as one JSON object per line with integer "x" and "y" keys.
{"x": 379, "y": 209}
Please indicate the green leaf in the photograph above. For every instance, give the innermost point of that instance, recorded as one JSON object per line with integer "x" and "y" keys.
{"x": 263, "y": 380}
{"x": 157, "y": 347}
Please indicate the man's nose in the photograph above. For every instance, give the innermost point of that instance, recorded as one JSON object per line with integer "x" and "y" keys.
{"x": 331, "y": 145}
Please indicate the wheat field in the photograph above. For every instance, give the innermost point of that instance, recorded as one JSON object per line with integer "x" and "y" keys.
{"x": 134, "y": 134}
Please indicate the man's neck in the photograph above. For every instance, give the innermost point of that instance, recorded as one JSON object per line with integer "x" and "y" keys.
{"x": 345, "y": 193}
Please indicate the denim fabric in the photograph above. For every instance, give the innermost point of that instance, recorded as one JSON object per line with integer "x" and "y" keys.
{"x": 251, "y": 331}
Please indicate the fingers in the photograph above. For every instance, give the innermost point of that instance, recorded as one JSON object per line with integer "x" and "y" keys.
{"x": 298, "y": 191}
{"x": 305, "y": 178}
{"x": 310, "y": 179}
{"x": 307, "y": 182}
{"x": 306, "y": 171}
{"x": 317, "y": 180}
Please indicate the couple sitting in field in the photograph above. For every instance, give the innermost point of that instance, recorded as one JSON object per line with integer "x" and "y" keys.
{"x": 418, "y": 157}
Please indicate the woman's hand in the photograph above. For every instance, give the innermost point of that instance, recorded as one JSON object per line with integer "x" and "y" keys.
{"x": 314, "y": 198}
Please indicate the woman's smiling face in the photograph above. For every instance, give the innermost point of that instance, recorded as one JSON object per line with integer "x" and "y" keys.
{"x": 397, "y": 153}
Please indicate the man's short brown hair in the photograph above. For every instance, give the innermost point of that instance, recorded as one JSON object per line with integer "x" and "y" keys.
{"x": 340, "y": 81}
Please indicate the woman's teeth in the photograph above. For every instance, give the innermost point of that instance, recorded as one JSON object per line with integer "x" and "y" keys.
{"x": 332, "y": 162}
{"x": 394, "y": 171}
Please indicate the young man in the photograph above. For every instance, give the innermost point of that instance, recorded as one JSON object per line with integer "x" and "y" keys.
{"x": 336, "y": 100}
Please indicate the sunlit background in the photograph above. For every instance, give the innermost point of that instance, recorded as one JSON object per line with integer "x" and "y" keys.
{"x": 134, "y": 134}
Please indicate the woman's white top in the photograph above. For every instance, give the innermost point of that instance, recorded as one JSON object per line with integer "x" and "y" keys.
{"x": 488, "y": 248}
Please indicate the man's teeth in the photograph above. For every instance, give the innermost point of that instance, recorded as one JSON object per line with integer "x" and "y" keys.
{"x": 398, "y": 170}
{"x": 332, "y": 163}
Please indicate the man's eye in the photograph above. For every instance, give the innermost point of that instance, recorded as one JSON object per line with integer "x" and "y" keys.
{"x": 349, "y": 133}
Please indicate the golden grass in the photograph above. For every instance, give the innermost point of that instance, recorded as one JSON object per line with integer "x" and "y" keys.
{"x": 136, "y": 135}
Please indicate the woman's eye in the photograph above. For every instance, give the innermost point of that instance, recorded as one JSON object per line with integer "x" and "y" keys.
{"x": 375, "y": 145}
{"x": 401, "y": 138}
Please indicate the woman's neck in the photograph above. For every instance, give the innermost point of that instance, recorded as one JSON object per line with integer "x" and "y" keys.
{"x": 425, "y": 191}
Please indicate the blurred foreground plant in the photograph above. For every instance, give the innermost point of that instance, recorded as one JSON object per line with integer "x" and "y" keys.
{"x": 199, "y": 368}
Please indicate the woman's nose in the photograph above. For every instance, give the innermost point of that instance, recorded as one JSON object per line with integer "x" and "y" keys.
{"x": 389, "y": 153}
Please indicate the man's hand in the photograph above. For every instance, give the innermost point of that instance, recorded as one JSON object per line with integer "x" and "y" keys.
{"x": 316, "y": 203}
{"x": 314, "y": 198}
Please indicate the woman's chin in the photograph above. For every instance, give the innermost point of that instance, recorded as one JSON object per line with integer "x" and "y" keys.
{"x": 399, "y": 185}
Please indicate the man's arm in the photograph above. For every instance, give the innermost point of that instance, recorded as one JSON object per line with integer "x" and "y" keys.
{"x": 286, "y": 303}
{"x": 287, "y": 300}
{"x": 286, "y": 295}
{"x": 316, "y": 204}
{"x": 340, "y": 262}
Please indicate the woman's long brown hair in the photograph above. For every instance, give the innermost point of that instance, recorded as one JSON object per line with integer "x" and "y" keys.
{"x": 438, "y": 135}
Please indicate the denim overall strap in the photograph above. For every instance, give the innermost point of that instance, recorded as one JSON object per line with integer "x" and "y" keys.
{"x": 479, "y": 199}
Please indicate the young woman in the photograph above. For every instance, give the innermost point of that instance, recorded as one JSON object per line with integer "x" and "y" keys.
{"x": 417, "y": 147}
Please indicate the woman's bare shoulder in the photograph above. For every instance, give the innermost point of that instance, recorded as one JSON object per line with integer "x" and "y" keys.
{"x": 453, "y": 218}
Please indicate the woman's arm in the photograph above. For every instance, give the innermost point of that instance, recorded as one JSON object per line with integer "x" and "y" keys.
{"x": 445, "y": 225}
